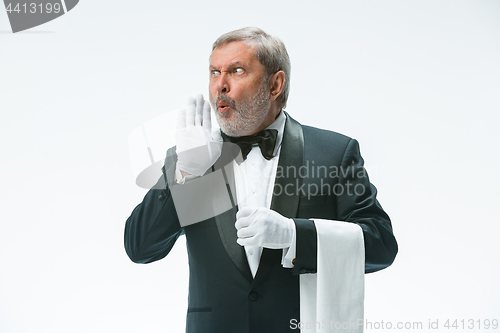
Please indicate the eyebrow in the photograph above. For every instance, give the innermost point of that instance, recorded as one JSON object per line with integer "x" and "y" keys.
{"x": 231, "y": 65}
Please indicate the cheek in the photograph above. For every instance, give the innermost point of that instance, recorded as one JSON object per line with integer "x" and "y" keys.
{"x": 242, "y": 92}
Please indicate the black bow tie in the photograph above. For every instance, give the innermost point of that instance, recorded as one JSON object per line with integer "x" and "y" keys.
{"x": 266, "y": 140}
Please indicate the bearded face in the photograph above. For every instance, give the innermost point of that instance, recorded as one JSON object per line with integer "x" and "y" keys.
{"x": 246, "y": 116}
{"x": 240, "y": 89}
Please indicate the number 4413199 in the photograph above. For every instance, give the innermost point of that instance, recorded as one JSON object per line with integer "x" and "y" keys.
{"x": 34, "y": 8}
{"x": 471, "y": 324}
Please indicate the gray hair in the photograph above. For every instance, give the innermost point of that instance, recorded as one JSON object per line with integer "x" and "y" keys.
{"x": 270, "y": 52}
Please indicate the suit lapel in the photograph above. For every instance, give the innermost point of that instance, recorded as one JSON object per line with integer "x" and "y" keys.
{"x": 225, "y": 221}
{"x": 227, "y": 232}
{"x": 286, "y": 195}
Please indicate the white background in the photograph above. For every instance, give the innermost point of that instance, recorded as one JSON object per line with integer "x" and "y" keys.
{"x": 416, "y": 82}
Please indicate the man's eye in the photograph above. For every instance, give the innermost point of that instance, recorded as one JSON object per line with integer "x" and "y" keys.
{"x": 238, "y": 70}
{"x": 215, "y": 73}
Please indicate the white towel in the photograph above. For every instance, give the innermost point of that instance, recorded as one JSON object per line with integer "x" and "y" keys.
{"x": 333, "y": 298}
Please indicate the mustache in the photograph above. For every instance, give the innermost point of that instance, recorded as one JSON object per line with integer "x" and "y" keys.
{"x": 226, "y": 99}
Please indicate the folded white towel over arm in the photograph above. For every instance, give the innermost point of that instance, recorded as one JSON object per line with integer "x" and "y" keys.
{"x": 333, "y": 298}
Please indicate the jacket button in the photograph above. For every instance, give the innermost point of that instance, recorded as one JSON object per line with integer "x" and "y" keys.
{"x": 293, "y": 261}
{"x": 253, "y": 296}
{"x": 161, "y": 197}
{"x": 302, "y": 271}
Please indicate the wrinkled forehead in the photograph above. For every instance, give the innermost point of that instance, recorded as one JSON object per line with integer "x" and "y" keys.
{"x": 235, "y": 51}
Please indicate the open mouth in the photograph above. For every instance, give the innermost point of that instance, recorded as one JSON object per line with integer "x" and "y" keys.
{"x": 222, "y": 106}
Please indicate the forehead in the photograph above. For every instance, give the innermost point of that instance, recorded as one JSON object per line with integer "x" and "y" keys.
{"x": 233, "y": 52}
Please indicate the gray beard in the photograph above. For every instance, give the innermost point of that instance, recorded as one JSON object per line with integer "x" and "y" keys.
{"x": 247, "y": 116}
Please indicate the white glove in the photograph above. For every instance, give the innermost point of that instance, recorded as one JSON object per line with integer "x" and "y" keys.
{"x": 197, "y": 147}
{"x": 264, "y": 227}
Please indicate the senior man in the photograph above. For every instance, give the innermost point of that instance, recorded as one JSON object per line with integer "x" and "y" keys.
{"x": 245, "y": 262}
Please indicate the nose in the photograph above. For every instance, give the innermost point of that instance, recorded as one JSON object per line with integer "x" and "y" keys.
{"x": 222, "y": 85}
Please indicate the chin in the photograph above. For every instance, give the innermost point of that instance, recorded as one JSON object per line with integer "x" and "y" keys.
{"x": 232, "y": 127}
{"x": 230, "y": 130}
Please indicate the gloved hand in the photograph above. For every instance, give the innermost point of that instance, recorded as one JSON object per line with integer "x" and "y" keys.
{"x": 197, "y": 146}
{"x": 264, "y": 227}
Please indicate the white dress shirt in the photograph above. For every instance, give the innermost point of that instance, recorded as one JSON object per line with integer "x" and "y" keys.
{"x": 254, "y": 180}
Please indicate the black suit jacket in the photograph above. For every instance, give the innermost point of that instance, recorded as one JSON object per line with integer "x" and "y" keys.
{"x": 320, "y": 175}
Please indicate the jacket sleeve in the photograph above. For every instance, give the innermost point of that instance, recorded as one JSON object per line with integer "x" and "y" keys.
{"x": 359, "y": 205}
{"x": 355, "y": 201}
{"x": 153, "y": 227}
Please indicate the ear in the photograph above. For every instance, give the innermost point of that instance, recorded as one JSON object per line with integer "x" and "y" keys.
{"x": 276, "y": 84}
